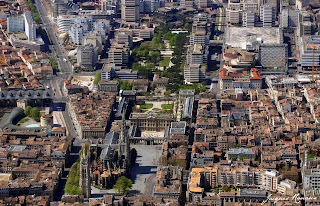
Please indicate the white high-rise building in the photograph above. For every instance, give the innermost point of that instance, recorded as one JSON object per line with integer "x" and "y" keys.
{"x": 80, "y": 27}
{"x": 15, "y": 24}
{"x": 30, "y": 26}
{"x": 130, "y": 11}
{"x": 289, "y": 19}
{"x": 76, "y": 34}
{"x": 64, "y": 23}
{"x": 268, "y": 15}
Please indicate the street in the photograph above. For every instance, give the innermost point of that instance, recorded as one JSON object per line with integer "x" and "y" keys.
{"x": 57, "y": 82}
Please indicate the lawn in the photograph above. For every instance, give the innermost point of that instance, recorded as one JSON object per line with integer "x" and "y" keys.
{"x": 167, "y": 106}
{"x": 164, "y": 62}
{"x": 146, "y": 106}
{"x": 166, "y": 111}
{"x": 23, "y": 121}
{"x": 163, "y": 110}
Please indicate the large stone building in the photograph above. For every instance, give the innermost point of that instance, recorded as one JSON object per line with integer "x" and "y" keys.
{"x": 201, "y": 178}
{"x": 109, "y": 160}
{"x": 151, "y": 121}
{"x": 244, "y": 80}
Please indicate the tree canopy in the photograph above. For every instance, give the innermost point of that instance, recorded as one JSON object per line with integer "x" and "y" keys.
{"x": 35, "y": 114}
{"x": 97, "y": 77}
{"x": 27, "y": 110}
{"x": 72, "y": 185}
{"x": 123, "y": 185}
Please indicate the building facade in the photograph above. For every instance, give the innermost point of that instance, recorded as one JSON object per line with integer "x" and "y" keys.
{"x": 64, "y": 23}
{"x": 15, "y": 24}
{"x": 87, "y": 56}
{"x": 151, "y": 121}
{"x": 194, "y": 73}
{"x": 268, "y": 15}
{"x": 130, "y": 11}
{"x": 30, "y": 26}
{"x": 267, "y": 52}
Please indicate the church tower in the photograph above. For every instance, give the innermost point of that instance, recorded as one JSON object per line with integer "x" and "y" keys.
{"x": 125, "y": 143}
{"x": 85, "y": 178}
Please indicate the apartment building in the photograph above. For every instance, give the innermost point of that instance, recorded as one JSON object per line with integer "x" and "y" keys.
{"x": 289, "y": 18}
{"x": 15, "y": 24}
{"x": 245, "y": 176}
{"x": 30, "y": 26}
{"x": 108, "y": 72}
{"x": 249, "y": 18}
{"x": 87, "y": 56}
{"x": 187, "y": 3}
{"x": 119, "y": 54}
{"x": 233, "y": 16}
{"x": 64, "y": 23}
{"x": 306, "y": 51}
{"x": 124, "y": 37}
{"x": 268, "y": 15}
{"x": 149, "y": 6}
{"x": 77, "y": 32}
{"x": 197, "y": 54}
{"x": 306, "y": 28}
{"x": 126, "y": 74}
{"x": 311, "y": 179}
{"x": 199, "y": 37}
{"x": 194, "y": 73}
{"x": 130, "y": 11}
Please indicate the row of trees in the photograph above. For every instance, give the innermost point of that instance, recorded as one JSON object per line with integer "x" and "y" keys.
{"x": 53, "y": 63}
{"x": 33, "y": 11}
{"x": 174, "y": 73}
{"x": 33, "y": 112}
{"x": 72, "y": 185}
{"x": 97, "y": 77}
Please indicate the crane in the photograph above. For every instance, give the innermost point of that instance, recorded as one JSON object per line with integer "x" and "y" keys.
{"x": 313, "y": 50}
{"x": 2, "y": 61}
{"x": 283, "y": 57}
